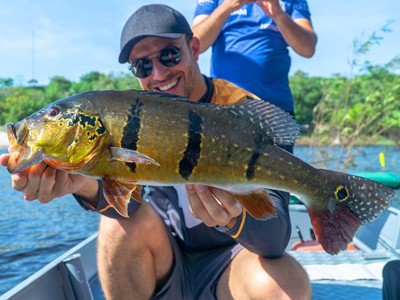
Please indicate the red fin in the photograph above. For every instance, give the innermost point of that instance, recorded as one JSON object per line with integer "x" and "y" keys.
{"x": 334, "y": 229}
{"x": 118, "y": 194}
{"x": 259, "y": 204}
{"x": 137, "y": 194}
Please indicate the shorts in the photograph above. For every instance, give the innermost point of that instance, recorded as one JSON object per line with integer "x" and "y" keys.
{"x": 195, "y": 274}
{"x": 201, "y": 253}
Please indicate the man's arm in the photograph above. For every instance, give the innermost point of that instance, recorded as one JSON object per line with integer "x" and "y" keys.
{"x": 218, "y": 208}
{"x": 208, "y": 27}
{"x": 298, "y": 33}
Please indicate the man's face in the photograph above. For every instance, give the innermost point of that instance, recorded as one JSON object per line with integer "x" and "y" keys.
{"x": 178, "y": 79}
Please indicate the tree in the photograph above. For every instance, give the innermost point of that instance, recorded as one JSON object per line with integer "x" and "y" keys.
{"x": 356, "y": 110}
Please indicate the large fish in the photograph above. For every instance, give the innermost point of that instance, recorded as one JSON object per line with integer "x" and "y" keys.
{"x": 127, "y": 138}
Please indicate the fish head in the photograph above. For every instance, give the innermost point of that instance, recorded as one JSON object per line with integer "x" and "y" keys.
{"x": 64, "y": 134}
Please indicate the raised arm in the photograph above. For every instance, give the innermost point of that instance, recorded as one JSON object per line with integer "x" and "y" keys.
{"x": 298, "y": 33}
{"x": 208, "y": 27}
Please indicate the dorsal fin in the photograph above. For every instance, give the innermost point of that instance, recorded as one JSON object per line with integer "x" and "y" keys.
{"x": 279, "y": 125}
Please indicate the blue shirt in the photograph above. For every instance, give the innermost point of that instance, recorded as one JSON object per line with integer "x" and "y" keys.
{"x": 251, "y": 52}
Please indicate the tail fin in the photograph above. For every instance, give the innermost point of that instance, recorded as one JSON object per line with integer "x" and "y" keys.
{"x": 352, "y": 202}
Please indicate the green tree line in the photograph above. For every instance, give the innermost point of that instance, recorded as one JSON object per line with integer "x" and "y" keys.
{"x": 332, "y": 110}
{"x": 17, "y": 102}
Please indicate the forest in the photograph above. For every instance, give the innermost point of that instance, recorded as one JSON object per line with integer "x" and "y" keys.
{"x": 334, "y": 110}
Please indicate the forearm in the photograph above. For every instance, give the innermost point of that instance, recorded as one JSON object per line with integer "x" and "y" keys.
{"x": 89, "y": 191}
{"x": 92, "y": 198}
{"x": 208, "y": 27}
{"x": 268, "y": 238}
{"x": 298, "y": 34}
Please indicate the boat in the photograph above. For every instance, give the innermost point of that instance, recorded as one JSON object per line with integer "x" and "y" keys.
{"x": 356, "y": 271}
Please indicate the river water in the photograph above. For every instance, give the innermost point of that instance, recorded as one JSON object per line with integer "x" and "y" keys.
{"x": 33, "y": 234}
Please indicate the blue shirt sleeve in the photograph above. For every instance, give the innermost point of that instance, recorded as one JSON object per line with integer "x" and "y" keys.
{"x": 300, "y": 10}
{"x": 205, "y": 7}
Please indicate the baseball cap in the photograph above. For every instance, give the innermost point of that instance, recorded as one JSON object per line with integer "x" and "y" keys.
{"x": 155, "y": 20}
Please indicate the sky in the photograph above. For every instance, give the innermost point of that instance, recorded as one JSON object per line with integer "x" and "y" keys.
{"x": 45, "y": 38}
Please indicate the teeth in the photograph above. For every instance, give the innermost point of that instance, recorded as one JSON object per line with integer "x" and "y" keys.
{"x": 168, "y": 86}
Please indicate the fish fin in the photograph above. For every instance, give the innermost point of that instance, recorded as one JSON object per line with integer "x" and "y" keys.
{"x": 128, "y": 155}
{"x": 22, "y": 159}
{"x": 137, "y": 194}
{"x": 354, "y": 201}
{"x": 259, "y": 204}
{"x": 60, "y": 165}
{"x": 118, "y": 193}
{"x": 334, "y": 230}
{"x": 279, "y": 125}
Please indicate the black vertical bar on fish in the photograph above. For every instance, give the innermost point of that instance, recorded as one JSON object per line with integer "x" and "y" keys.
{"x": 193, "y": 148}
{"x": 252, "y": 164}
{"x": 130, "y": 136}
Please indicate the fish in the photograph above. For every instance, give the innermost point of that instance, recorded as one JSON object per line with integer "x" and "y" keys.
{"x": 132, "y": 138}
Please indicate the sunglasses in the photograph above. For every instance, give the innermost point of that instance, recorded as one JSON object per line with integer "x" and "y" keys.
{"x": 169, "y": 56}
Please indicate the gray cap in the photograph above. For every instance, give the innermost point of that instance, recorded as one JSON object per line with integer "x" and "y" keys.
{"x": 156, "y": 20}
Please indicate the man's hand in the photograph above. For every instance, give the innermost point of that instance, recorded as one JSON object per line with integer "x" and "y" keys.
{"x": 45, "y": 183}
{"x": 272, "y": 8}
{"x": 233, "y": 5}
{"x": 213, "y": 206}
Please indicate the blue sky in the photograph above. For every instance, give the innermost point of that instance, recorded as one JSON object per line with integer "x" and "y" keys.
{"x": 72, "y": 38}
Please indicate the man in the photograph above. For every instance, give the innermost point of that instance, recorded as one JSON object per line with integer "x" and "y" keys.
{"x": 186, "y": 243}
{"x": 250, "y": 40}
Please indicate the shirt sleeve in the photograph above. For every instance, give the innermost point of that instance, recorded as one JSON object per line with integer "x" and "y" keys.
{"x": 300, "y": 10}
{"x": 205, "y": 7}
{"x": 267, "y": 238}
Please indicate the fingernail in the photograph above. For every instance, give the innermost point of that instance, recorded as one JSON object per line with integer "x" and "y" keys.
{"x": 200, "y": 188}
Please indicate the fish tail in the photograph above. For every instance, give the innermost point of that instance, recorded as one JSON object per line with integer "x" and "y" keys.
{"x": 352, "y": 201}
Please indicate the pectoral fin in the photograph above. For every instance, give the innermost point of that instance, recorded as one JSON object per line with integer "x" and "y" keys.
{"x": 259, "y": 204}
{"x": 118, "y": 193}
{"x": 128, "y": 155}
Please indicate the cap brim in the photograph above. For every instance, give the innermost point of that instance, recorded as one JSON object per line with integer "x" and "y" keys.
{"x": 126, "y": 50}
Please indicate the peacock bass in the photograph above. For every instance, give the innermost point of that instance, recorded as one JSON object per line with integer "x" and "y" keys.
{"x": 130, "y": 138}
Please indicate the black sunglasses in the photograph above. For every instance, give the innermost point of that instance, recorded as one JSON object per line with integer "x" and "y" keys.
{"x": 169, "y": 56}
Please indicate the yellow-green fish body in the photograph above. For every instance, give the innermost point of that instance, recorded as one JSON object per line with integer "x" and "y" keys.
{"x": 128, "y": 138}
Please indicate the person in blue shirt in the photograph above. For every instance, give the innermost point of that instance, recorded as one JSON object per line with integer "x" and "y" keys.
{"x": 250, "y": 41}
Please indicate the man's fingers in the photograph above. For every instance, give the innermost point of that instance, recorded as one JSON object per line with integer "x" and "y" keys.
{"x": 46, "y": 185}
{"x": 4, "y": 159}
{"x": 215, "y": 212}
{"x": 228, "y": 201}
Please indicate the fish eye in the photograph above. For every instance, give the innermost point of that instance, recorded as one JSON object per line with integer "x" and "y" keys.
{"x": 54, "y": 111}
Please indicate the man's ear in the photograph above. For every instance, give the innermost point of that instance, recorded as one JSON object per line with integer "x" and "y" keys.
{"x": 195, "y": 47}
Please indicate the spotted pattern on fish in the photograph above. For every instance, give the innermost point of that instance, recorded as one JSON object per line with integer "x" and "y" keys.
{"x": 365, "y": 200}
{"x": 191, "y": 155}
{"x": 86, "y": 122}
{"x": 131, "y": 132}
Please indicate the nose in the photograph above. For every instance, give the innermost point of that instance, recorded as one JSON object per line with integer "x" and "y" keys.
{"x": 160, "y": 71}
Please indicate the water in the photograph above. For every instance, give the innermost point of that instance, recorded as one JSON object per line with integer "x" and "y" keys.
{"x": 33, "y": 234}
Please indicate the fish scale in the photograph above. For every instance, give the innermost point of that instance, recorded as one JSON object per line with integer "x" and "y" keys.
{"x": 130, "y": 138}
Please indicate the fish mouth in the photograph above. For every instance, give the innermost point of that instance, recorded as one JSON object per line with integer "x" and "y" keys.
{"x": 21, "y": 155}
{"x": 17, "y": 133}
